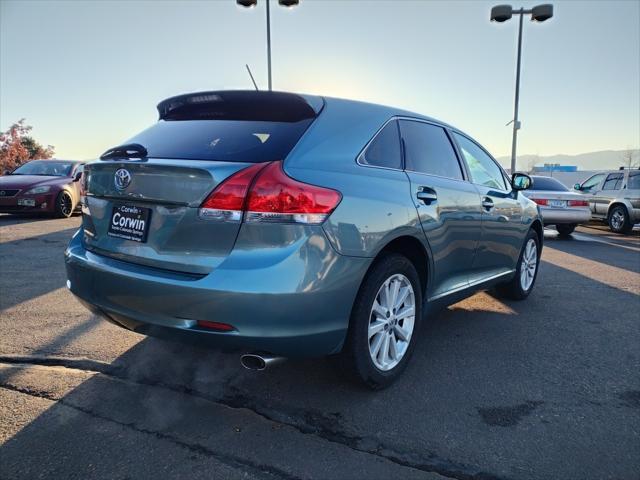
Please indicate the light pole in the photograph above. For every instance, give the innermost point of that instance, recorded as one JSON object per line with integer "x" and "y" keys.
{"x": 253, "y": 3}
{"x": 502, "y": 13}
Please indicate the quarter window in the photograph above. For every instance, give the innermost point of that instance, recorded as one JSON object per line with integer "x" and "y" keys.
{"x": 428, "y": 150}
{"x": 613, "y": 181}
{"x": 483, "y": 169}
{"x": 384, "y": 150}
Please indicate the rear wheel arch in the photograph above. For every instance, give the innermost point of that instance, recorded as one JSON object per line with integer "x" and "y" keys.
{"x": 415, "y": 251}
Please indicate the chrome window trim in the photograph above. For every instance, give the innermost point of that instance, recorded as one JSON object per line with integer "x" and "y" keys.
{"x": 414, "y": 119}
{"x": 375, "y": 135}
{"x": 504, "y": 173}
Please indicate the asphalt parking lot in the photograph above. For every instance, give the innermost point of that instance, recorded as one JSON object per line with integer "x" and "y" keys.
{"x": 540, "y": 389}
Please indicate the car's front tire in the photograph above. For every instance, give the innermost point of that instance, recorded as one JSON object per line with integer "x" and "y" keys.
{"x": 64, "y": 205}
{"x": 521, "y": 285}
{"x": 384, "y": 322}
{"x": 619, "y": 221}
{"x": 566, "y": 229}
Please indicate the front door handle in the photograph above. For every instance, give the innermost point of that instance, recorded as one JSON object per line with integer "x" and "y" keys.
{"x": 427, "y": 195}
{"x": 487, "y": 203}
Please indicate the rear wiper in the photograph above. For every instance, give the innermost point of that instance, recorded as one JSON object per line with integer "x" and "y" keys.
{"x": 129, "y": 150}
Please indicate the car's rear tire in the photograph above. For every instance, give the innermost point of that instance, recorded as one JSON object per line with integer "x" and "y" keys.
{"x": 565, "y": 229}
{"x": 521, "y": 285}
{"x": 64, "y": 205}
{"x": 385, "y": 319}
{"x": 618, "y": 220}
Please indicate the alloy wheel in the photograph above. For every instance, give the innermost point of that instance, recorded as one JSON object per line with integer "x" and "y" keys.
{"x": 65, "y": 204}
{"x": 391, "y": 322}
{"x": 529, "y": 264}
{"x": 617, "y": 219}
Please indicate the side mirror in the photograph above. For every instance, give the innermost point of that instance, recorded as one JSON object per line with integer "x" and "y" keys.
{"x": 521, "y": 181}
{"x": 7, "y": 172}
{"x": 577, "y": 186}
{"x": 77, "y": 176}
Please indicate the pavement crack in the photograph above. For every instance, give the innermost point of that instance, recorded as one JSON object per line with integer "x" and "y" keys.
{"x": 231, "y": 461}
{"x": 310, "y": 423}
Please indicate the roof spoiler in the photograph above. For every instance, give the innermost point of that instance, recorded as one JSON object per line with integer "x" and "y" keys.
{"x": 241, "y": 105}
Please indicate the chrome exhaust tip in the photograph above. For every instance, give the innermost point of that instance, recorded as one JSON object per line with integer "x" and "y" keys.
{"x": 259, "y": 361}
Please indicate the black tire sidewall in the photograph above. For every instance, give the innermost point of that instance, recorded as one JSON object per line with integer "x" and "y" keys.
{"x": 566, "y": 228}
{"x": 58, "y": 210}
{"x": 519, "y": 291}
{"x": 625, "y": 225}
{"x": 358, "y": 341}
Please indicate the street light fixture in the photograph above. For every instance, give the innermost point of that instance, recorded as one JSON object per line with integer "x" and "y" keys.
{"x": 502, "y": 13}
{"x": 282, "y": 3}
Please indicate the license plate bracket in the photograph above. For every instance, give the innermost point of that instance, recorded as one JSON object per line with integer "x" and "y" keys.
{"x": 129, "y": 222}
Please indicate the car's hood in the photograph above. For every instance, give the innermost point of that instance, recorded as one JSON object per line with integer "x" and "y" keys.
{"x": 29, "y": 181}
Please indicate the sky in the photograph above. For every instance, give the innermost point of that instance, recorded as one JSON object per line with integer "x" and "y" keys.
{"x": 87, "y": 74}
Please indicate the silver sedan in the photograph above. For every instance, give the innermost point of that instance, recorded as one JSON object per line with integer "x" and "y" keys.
{"x": 558, "y": 205}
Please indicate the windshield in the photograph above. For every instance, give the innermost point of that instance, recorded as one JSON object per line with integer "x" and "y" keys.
{"x": 222, "y": 140}
{"x": 548, "y": 184}
{"x": 51, "y": 168}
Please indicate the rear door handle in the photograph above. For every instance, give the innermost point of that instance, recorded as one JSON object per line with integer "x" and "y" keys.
{"x": 487, "y": 203}
{"x": 427, "y": 195}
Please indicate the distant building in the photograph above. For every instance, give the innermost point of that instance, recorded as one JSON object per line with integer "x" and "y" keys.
{"x": 554, "y": 167}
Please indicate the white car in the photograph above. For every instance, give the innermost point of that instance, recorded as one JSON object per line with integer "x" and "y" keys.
{"x": 559, "y": 206}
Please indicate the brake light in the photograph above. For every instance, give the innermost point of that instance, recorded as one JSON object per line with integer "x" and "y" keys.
{"x": 540, "y": 201}
{"x": 578, "y": 203}
{"x": 226, "y": 202}
{"x": 275, "y": 197}
{"x": 264, "y": 193}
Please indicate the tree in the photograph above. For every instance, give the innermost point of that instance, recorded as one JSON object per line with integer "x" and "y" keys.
{"x": 17, "y": 146}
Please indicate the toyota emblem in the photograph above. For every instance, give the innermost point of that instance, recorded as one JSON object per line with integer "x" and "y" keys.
{"x": 122, "y": 178}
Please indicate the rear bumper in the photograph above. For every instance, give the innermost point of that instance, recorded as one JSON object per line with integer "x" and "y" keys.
{"x": 293, "y": 300}
{"x": 552, "y": 216}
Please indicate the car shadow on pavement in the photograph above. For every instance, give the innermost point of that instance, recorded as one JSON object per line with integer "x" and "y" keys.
{"x": 502, "y": 389}
{"x": 17, "y": 283}
{"x": 604, "y": 251}
{"x": 15, "y": 219}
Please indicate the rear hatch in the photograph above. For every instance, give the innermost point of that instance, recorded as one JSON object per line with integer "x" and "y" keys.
{"x": 142, "y": 199}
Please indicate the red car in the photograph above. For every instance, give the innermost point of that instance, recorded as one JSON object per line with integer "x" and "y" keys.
{"x": 42, "y": 186}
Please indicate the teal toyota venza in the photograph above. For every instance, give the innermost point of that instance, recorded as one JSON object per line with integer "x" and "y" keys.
{"x": 284, "y": 225}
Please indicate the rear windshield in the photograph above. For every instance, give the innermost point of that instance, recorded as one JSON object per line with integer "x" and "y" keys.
{"x": 222, "y": 140}
{"x": 548, "y": 184}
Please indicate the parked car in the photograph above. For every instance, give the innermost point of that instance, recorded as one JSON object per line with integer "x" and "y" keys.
{"x": 614, "y": 197}
{"x": 293, "y": 225}
{"x": 42, "y": 186}
{"x": 558, "y": 205}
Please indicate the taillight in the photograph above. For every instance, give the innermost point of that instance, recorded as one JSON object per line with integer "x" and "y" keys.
{"x": 578, "y": 203}
{"x": 275, "y": 197}
{"x": 226, "y": 202}
{"x": 540, "y": 201}
{"x": 264, "y": 193}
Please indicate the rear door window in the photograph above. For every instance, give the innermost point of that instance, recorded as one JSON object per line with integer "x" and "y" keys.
{"x": 613, "y": 181}
{"x": 222, "y": 140}
{"x": 429, "y": 150}
{"x": 384, "y": 149}
{"x": 483, "y": 169}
